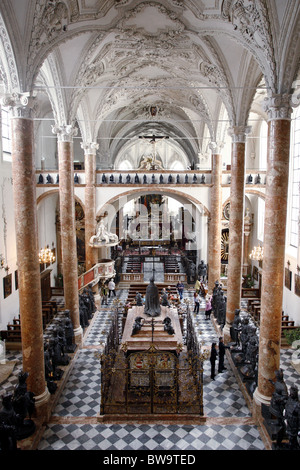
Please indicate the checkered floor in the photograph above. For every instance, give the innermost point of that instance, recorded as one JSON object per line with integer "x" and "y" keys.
{"x": 74, "y": 424}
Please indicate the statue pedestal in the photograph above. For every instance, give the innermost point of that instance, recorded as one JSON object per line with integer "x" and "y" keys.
{"x": 143, "y": 339}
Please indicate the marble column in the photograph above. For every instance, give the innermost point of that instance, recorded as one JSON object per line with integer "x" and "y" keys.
{"x": 214, "y": 247}
{"x": 91, "y": 254}
{"x": 247, "y": 232}
{"x": 25, "y": 211}
{"x": 279, "y": 115}
{"x": 236, "y": 220}
{"x": 67, "y": 224}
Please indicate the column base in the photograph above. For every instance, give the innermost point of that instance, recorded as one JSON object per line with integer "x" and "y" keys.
{"x": 78, "y": 335}
{"x": 41, "y": 403}
{"x": 42, "y": 398}
{"x": 261, "y": 399}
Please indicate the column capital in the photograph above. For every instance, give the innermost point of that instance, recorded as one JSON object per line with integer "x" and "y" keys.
{"x": 216, "y": 147}
{"x": 65, "y": 132}
{"x": 278, "y": 106}
{"x": 239, "y": 133}
{"x": 22, "y": 105}
{"x": 90, "y": 148}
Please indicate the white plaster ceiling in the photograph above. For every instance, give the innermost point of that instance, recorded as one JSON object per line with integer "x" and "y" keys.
{"x": 104, "y": 63}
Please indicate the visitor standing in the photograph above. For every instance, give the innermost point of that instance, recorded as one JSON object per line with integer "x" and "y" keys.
{"x": 213, "y": 358}
{"x": 222, "y": 349}
{"x": 208, "y": 307}
{"x": 180, "y": 289}
{"x": 104, "y": 292}
{"x": 197, "y": 302}
{"x": 111, "y": 288}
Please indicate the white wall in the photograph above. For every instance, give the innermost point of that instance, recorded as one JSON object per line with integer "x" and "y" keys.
{"x": 9, "y": 306}
{"x": 46, "y": 216}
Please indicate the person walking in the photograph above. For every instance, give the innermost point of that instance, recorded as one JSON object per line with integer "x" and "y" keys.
{"x": 213, "y": 358}
{"x": 104, "y": 292}
{"x": 222, "y": 349}
{"x": 111, "y": 288}
{"x": 180, "y": 289}
{"x": 208, "y": 307}
{"x": 197, "y": 302}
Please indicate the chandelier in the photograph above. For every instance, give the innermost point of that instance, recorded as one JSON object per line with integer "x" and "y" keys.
{"x": 46, "y": 256}
{"x": 257, "y": 253}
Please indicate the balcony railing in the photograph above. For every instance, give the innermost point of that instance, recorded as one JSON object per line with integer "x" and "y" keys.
{"x": 145, "y": 178}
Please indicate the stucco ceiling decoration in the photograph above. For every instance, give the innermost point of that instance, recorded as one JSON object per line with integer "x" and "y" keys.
{"x": 200, "y": 61}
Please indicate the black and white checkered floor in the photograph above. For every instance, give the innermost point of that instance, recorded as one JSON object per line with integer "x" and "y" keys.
{"x": 74, "y": 424}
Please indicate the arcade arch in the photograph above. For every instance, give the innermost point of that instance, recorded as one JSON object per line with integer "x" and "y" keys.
{"x": 193, "y": 225}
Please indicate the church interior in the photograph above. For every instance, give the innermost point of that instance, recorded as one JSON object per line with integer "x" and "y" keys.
{"x": 150, "y": 225}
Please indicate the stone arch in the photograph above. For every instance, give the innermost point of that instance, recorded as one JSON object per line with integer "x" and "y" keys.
{"x": 55, "y": 191}
{"x": 166, "y": 191}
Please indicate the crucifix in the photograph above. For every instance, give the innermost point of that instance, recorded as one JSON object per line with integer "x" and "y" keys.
{"x": 152, "y": 140}
{"x": 152, "y": 322}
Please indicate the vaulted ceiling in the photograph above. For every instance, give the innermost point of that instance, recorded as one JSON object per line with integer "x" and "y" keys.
{"x": 106, "y": 64}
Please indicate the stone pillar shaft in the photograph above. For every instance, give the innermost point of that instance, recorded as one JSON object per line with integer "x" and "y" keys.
{"x": 68, "y": 230}
{"x": 24, "y": 190}
{"x": 274, "y": 250}
{"x": 214, "y": 249}
{"x": 91, "y": 254}
{"x": 237, "y": 195}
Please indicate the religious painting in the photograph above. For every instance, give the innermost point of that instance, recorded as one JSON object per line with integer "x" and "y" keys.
{"x": 224, "y": 245}
{"x": 226, "y": 211}
{"x": 153, "y": 111}
{"x": 297, "y": 285}
{"x": 288, "y": 278}
{"x": 255, "y": 273}
{"x": 7, "y": 285}
{"x": 80, "y": 232}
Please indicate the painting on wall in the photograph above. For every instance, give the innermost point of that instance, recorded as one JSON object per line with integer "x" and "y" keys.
{"x": 297, "y": 285}
{"x": 288, "y": 278}
{"x": 7, "y": 286}
{"x": 16, "y": 280}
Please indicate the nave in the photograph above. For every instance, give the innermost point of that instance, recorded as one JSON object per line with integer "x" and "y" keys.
{"x": 74, "y": 424}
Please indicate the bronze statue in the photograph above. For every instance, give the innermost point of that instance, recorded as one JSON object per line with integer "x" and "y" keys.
{"x": 279, "y": 397}
{"x": 167, "y": 326}
{"x": 139, "y": 299}
{"x": 137, "y": 325}
{"x": 8, "y": 425}
{"x": 236, "y": 327}
{"x": 152, "y": 305}
{"x": 292, "y": 417}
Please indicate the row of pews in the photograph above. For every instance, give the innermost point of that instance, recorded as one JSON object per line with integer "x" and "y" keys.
{"x": 254, "y": 308}
{"x": 12, "y": 335}
{"x": 134, "y": 265}
{"x": 171, "y": 264}
{"x": 141, "y": 288}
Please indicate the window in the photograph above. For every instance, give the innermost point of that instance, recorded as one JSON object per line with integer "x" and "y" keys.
{"x": 260, "y": 219}
{"x": 6, "y": 135}
{"x": 263, "y": 146}
{"x": 295, "y": 195}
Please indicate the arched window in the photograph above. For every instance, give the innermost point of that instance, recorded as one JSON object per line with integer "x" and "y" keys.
{"x": 263, "y": 145}
{"x": 260, "y": 219}
{"x": 295, "y": 179}
{"x": 6, "y": 135}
